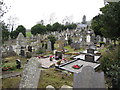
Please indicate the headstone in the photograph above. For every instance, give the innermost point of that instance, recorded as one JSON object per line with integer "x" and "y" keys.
{"x": 50, "y": 87}
{"x": 11, "y": 48}
{"x": 18, "y": 62}
{"x": 31, "y": 74}
{"x": 58, "y": 54}
{"x": 66, "y": 87}
{"x": 90, "y": 51}
{"x": 22, "y": 52}
{"x": 30, "y": 48}
{"x": 88, "y": 78}
{"x": 89, "y": 58}
{"x": 49, "y": 46}
{"x": 28, "y": 55}
{"x": 88, "y": 39}
{"x": 20, "y": 41}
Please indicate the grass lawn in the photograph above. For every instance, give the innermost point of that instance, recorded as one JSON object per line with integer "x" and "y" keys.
{"x": 12, "y": 62}
{"x": 28, "y": 34}
{"x": 12, "y": 82}
{"x": 69, "y": 48}
{"x": 48, "y": 77}
{"x": 54, "y": 78}
{"x": 72, "y": 50}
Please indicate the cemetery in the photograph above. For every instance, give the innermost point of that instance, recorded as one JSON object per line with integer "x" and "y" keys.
{"x": 57, "y": 56}
{"x": 35, "y": 60}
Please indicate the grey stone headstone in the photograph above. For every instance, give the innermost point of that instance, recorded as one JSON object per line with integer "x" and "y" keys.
{"x": 31, "y": 74}
{"x": 88, "y": 78}
{"x": 89, "y": 58}
{"x": 11, "y": 48}
{"x": 49, "y": 46}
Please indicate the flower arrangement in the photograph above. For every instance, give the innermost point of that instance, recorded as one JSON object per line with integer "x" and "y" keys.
{"x": 6, "y": 68}
{"x": 77, "y": 66}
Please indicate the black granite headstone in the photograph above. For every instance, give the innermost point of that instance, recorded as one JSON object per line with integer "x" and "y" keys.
{"x": 18, "y": 62}
{"x": 89, "y": 58}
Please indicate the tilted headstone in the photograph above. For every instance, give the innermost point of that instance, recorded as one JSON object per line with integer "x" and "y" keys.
{"x": 88, "y": 78}
{"x": 31, "y": 74}
{"x": 89, "y": 58}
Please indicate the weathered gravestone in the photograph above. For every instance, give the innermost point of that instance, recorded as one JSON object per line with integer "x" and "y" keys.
{"x": 89, "y": 58}
{"x": 10, "y": 48}
{"x": 88, "y": 78}
{"x": 30, "y": 48}
{"x": 22, "y": 52}
{"x": 31, "y": 74}
{"x": 49, "y": 46}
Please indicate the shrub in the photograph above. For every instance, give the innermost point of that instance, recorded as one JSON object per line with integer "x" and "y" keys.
{"x": 110, "y": 64}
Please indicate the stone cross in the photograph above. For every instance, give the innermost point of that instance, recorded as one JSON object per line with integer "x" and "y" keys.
{"x": 88, "y": 78}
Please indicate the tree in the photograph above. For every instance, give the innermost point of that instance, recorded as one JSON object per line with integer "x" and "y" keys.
{"x": 56, "y": 27}
{"x": 52, "y": 39}
{"x": 38, "y": 29}
{"x": 3, "y": 8}
{"x": 111, "y": 19}
{"x": 48, "y": 28}
{"x": 108, "y": 23}
{"x": 21, "y": 29}
{"x": 12, "y": 22}
{"x": 5, "y": 32}
{"x": 14, "y": 34}
{"x": 97, "y": 25}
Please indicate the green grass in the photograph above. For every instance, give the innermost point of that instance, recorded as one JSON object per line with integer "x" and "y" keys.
{"x": 54, "y": 78}
{"x": 11, "y": 82}
{"x": 69, "y": 48}
{"x": 48, "y": 77}
{"x": 28, "y": 34}
{"x": 72, "y": 50}
{"x": 12, "y": 62}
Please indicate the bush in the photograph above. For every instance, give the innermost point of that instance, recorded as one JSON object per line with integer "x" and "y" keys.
{"x": 110, "y": 64}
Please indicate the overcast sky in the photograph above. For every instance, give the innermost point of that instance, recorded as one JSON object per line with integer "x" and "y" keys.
{"x": 29, "y": 12}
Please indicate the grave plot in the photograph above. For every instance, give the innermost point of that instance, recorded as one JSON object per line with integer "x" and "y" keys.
{"x": 69, "y": 65}
{"x": 83, "y": 57}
